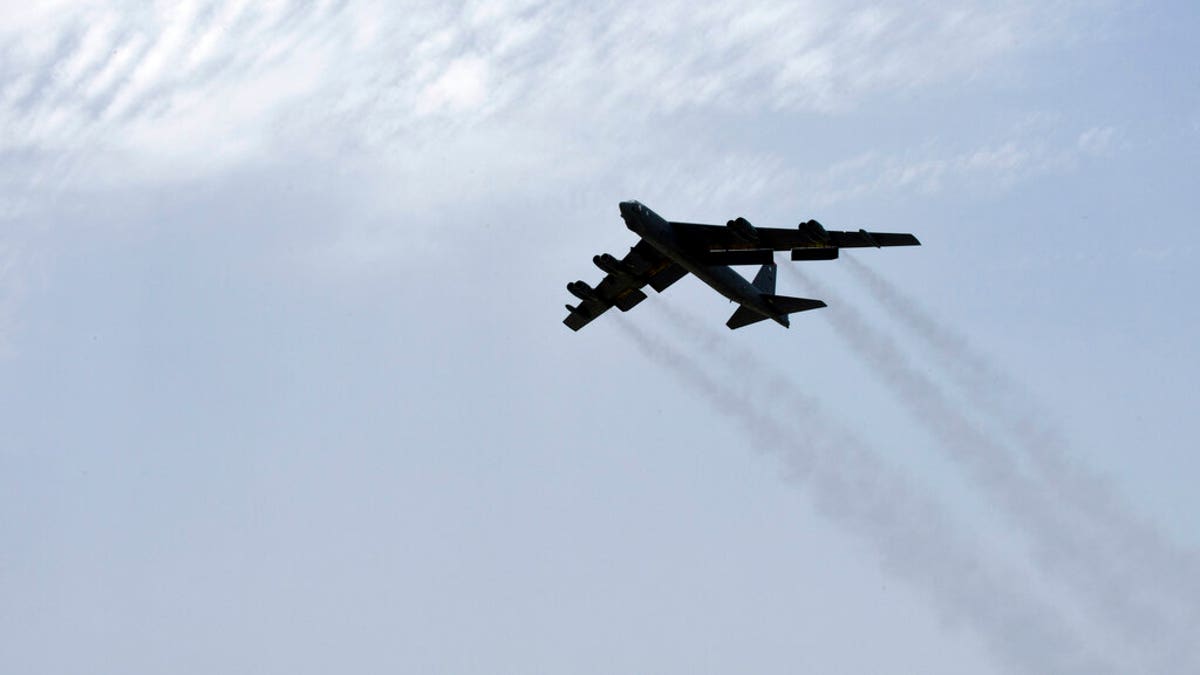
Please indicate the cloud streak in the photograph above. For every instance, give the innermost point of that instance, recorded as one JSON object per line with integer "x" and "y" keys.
{"x": 171, "y": 85}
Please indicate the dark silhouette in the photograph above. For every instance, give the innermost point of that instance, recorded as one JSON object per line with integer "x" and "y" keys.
{"x": 668, "y": 251}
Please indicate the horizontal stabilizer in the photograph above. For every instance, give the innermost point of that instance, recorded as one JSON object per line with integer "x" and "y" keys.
{"x": 789, "y": 305}
{"x": 782, "y": 304}
{"x": 744, "y": 316}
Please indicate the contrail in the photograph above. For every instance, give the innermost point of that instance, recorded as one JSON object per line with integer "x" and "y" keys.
{"x": 1175, "y": 572}
{"x": 970, "y": 370}
{"x": 854, "y": 487}
{"x": 1064, "y": 547}
{"x": 770, "y": 385}
{"x": 989, "y": 390}
{"x": 1000, "y": 398}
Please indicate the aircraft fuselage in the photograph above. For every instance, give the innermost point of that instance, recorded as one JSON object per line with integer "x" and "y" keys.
{"x": 656, "y": 231}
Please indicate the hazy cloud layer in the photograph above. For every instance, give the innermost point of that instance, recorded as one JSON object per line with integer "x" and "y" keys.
{"x": 147, "y": 92}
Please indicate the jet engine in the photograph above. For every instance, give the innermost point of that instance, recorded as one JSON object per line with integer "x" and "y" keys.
{"x": 742, "y": 229}
{"x": 582, "y": 291}
{"x": 815, "y": 231}
{"x": 610, "y": 265}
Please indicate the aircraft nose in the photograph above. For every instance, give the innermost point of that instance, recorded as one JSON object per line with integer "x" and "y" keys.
{"x": 629, "y": 215}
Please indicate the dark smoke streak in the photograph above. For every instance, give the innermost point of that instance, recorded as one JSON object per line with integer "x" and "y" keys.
{"x": 855, "y": 488}
{"x": 1176, "y": 572}
{"x": 1067, "y": 548}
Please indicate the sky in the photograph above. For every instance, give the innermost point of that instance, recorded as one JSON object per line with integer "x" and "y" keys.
{"x": 284, "y": 386}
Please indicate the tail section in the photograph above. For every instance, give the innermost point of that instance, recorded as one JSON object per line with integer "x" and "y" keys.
{"x": 744, "y": 316}
{"x": 764, "y": 281}
{"x": 781, "y": 304}
{"x": 774, "y": 307}
{"x": 788, "y": 305}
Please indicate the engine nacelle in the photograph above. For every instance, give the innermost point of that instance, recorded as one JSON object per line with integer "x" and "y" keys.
{"x": 582, "y": 291}
{"x": 815, "y": 231}
{"x": 742, "y": 229}
{"x": 610, "y": 265}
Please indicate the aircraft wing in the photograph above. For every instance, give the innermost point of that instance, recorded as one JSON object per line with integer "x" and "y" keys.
{"x": 622, "y": 286}
{"x": 728, "y": 243}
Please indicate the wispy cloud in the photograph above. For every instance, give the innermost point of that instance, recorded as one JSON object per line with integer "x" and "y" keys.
{"x": 452, "y": 102}
{"x": 1097, "y": 140}
{"x": 989, "y": 167}
{"x": 930, "y": 170}
{"x": 176, "y": 88}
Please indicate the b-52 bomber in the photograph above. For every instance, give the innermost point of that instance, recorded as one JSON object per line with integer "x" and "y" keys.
{"x": 667, "y": 251}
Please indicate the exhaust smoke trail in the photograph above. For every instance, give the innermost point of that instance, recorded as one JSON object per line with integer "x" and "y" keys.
{"x": 969, "y": 369}
{"x": 1065, "y": 547}
{"x": 999, "y": 397}
{"x": 747, "y": 365}
{"x": 858, "y": 490}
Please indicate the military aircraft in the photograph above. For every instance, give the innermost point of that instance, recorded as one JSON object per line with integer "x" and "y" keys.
{"x": 667, "y": 251}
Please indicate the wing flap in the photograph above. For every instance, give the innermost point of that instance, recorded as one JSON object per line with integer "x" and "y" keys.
{"x": 717, "y": 238}
{"x": 630, "y": 298}
{"x": 752, "y": 256}
{"x": 669, "y": 274}
{"x": 822, "y": 253}
{"x": 863, "y": 239}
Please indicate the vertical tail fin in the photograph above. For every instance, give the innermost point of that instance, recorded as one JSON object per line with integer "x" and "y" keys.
{"x": 764, "y": 281}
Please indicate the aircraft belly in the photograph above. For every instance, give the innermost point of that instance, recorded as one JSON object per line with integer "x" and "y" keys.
{"x": 721, "y": 278}
{"x": 727, "y": 282}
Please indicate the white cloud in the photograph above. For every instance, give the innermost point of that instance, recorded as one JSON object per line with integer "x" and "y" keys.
{"x": 461, "y": 87}
{"x": 707, "y": 182}
{"x": 1097, "y": 140}
{"x": 89, "y": 53}
{"x": 984, "y": 169}
{"x": 122, "y": 55}
{"x": 447, "y": 102}
{"x": 238, "y": 74}
{"x": 156, "y": 65}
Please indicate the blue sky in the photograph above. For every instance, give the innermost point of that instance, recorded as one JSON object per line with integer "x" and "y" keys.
{"x": 284, "y": 385}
